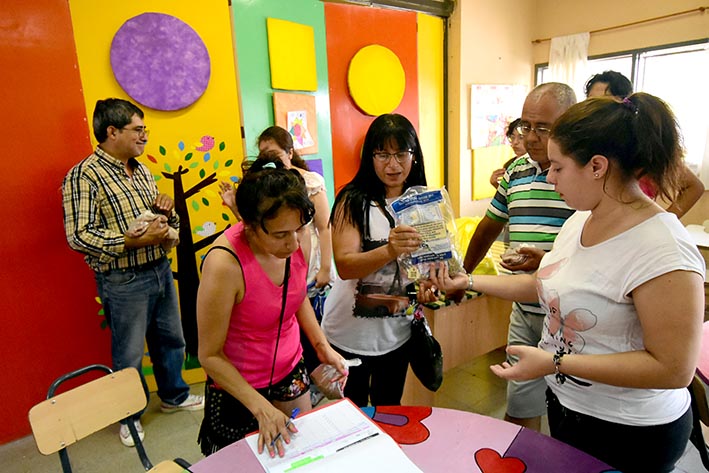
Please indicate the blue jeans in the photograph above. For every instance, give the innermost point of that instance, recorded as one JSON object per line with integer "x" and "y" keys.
{"x": 141, "y": 304}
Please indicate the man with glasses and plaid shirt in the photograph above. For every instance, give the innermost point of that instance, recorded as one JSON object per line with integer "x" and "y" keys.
{"x": 102, "y": 196}
{"x": 535, "y": 213}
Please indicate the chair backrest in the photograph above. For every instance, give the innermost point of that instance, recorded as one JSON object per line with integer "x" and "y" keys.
{"x": 64, "y": 419}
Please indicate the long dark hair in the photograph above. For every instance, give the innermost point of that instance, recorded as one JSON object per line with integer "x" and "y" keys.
{"x": 366, "y": 187}
{"x": 282, "y": 138}
{"x": 640, "y": 134}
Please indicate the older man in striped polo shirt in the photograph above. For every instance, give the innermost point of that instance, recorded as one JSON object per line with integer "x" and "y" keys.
{"x": 535, "y": 213}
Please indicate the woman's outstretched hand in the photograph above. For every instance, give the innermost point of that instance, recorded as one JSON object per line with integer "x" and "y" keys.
{"x": 533, "y": 363}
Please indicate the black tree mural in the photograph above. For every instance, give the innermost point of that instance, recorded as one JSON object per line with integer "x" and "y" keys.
{"x": 193, "y": 239}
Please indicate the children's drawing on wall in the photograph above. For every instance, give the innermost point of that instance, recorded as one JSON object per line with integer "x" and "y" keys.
{"x": 296, "y": 113}
{"x": 298, "y": 128}
{"x": 492, "y": 107}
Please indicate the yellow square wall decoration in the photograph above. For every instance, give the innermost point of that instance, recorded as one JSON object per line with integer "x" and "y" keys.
{"x": 291, "y": 51}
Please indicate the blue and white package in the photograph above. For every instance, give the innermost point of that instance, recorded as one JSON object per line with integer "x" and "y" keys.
{"x": 431, "y": 214}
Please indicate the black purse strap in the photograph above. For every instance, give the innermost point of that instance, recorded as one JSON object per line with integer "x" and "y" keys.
{"x": 286, "y": 276}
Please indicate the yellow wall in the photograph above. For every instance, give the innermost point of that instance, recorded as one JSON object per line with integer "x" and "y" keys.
{"x": 215, "y": 113}
{"x": 175, "y": 139}
{"x": 431, "y": 107}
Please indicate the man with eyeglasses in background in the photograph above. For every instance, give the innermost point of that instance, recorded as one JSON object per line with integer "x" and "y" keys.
{"x": 102, "y": 196}
{"x": 535, "y": 213}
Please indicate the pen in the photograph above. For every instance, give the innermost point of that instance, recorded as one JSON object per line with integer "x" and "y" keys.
{"x": 357, "y": 441}
{"x": 293, "y": 414}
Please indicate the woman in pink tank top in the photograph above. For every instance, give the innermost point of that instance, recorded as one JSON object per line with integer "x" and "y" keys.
{"x": 251, "y": 305}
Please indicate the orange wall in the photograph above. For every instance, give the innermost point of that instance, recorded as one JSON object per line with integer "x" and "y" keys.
{"x": 46, "y": 291}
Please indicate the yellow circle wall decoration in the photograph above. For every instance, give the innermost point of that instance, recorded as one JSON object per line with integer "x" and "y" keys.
{"x": 376, "y": 80}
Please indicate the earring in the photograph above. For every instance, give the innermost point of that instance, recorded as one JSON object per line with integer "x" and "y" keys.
{"x": 595, "y": 174}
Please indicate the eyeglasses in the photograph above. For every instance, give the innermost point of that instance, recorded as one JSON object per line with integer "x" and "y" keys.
{"x": 400, "y": 156}
{"x": 525, "y": 128}
{"x": 141, "y": 130}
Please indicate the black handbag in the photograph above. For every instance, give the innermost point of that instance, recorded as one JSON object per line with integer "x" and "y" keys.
{"x": 426, "y": 356}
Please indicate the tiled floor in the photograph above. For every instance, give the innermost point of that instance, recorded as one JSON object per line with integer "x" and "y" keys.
{"x": 471, "y": 387}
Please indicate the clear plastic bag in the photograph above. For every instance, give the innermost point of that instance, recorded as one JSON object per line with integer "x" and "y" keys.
{"x": 138, "y": 226}
{"x": 431, "y": 214}
{"x": 323, "y": 376}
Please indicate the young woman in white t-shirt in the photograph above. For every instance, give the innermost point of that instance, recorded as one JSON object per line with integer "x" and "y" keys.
{"x": 622, "y": 290}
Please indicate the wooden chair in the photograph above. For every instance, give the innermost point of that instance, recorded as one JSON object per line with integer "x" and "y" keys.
{"x": 65, "y": 419}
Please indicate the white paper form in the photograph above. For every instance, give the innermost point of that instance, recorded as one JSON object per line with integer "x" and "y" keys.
{"x": 337, "y": 437}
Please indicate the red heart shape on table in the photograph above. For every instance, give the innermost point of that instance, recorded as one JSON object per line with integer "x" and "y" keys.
{"x": 489, "y": 461}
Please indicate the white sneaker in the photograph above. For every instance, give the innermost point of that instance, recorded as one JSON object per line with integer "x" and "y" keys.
{"x": 194, "y": 402}
{"x": 124, "y": 434}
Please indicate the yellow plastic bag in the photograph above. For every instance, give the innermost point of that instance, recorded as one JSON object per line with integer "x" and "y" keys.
{"x": 465, "y": 227}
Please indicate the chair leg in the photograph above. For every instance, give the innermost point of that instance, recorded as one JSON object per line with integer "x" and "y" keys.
{"x": 64, "y": 458}
{"x": 696, "y": 436}
{"x": 139, "y": 446}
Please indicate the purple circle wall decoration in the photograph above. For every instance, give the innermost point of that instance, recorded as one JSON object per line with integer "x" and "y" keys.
{"x": 160, "y": 61}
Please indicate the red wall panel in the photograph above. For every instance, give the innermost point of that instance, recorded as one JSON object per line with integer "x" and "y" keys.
{"x": 49, "y": 316}
{"x": 350, "y": 28}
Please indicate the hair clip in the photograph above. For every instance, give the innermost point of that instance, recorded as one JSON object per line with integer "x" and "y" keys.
{"x": 630, "y": 105}
{"x": 270, "y": 165}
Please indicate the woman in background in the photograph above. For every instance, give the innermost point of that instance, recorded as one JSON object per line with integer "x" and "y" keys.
{"x": 691, "y": 189}
{"x": 517, "y": 143}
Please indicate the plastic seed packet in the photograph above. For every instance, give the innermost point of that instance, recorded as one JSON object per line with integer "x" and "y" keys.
{"x": 431, "y": 214}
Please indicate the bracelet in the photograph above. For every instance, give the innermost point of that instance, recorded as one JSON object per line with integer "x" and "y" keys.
{"x": 560, "y": 377}
{"x": 470, "y": 281}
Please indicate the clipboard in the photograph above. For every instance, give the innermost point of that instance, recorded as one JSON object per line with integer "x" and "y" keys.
{"x": 336, "y": 437}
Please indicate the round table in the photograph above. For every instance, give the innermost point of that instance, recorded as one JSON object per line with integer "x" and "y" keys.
{"x": 450, "y": 441}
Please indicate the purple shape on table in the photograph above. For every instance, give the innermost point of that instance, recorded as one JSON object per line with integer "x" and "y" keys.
{"x": 160, "y": 61}
{"x": 545, "y": 454}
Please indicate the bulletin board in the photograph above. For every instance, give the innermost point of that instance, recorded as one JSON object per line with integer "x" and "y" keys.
{"x": 288, "y": 109}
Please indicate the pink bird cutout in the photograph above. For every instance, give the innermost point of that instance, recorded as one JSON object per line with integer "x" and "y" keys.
{"x": 207, "y": 143}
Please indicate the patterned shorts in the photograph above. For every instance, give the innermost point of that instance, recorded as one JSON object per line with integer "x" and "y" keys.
{"x": 227, "y": 420}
